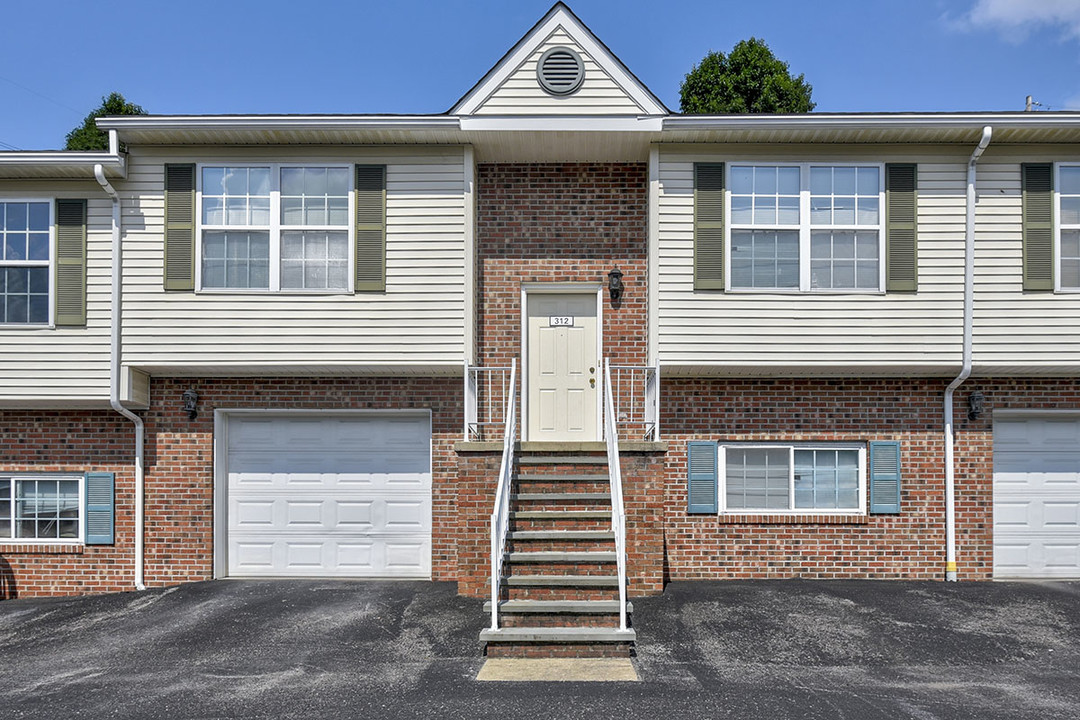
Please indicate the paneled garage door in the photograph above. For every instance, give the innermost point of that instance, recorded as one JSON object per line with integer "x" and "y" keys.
{"x": 1037, "y": 497}
{"x": 315, "y": 495}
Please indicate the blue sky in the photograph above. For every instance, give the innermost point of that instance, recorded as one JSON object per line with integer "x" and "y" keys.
{"x": 402, "y": 56}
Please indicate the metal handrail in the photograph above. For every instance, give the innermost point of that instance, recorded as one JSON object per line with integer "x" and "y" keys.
{"x": 485, "y": 387}
{"x": 500, "y": 517}
{"x": 618, "y": 512}
{"x": 637, "y": 397}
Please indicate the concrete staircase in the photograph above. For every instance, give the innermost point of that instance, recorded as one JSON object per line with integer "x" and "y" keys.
{"x": 560, "y": 593}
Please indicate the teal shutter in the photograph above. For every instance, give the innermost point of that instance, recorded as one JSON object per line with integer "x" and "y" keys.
{"x": 370, "y": 228}
{"x": 70, "y": 263}
{"x": 885, "y": 477}
{"x": 701, "y": 477}
{"x": 100, "y": 508}
{"x": 1037, "y": 188}
{"x": 901, "y": 233}
{"x": 180, "y": 227}
{"x": 708, "y": 226}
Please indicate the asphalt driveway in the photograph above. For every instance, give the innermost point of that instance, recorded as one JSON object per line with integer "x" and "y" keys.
{"x": 319, "y": 649}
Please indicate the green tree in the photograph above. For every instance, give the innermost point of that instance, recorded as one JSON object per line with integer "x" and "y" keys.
{"x": 750, "y": 79}
{"x": 87, "y": 136}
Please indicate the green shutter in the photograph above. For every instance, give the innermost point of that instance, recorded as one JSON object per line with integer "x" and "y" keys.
{"x": 701, "y": 477}
{"x": 708, "y": 226}
{"x": 901, "y": 232}
{"x": 70, "y": 262}
{"x": 885, "y": 477}
{"x": 179, "y": 227}
{"x": 370, "y": 228}
{"x": 1037, "y": 187}
{"x": 100, "y": 512}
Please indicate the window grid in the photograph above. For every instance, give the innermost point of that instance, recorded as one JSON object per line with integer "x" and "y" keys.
{"x": 25, "y": 253}
{"x": 1068, "y": 218}
{"x": 806, "y": 227}
{"x": 40, "y": 508}
{"x": 303, "y": 241}
{"x": 793, "y": 479}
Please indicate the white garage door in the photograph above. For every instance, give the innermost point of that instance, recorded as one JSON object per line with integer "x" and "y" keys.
{"x": 1037, "y": 497}
{"x": 328, "y": 495}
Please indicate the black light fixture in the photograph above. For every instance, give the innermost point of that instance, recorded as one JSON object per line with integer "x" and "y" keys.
{"x": 976, "y": 405}
{"x": 615, "y": 286}
{"x": 191, "y": 402}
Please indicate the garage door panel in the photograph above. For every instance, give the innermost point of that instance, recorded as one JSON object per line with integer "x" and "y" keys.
{"x": 329, "y": 496}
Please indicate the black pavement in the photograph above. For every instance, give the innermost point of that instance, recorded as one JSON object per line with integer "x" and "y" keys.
{"x": 747, "y": 650}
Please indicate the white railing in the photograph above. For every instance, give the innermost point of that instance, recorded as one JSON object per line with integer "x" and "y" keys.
{"x": 485, "y": 400}
{"x": 618, "y": 512}
{"x": 500, "y": 517}
{"x": 635, "y": 394}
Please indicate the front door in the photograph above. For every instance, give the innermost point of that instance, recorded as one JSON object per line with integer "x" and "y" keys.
{"x": 563, "y": 367}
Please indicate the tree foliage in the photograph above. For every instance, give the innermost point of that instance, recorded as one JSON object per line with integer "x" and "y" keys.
{"x": 750, "y": 79}
{"x": 87, "y": 136}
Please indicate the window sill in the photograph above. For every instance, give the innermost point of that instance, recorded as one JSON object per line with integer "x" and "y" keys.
{"x": 782, "y": 519}
{"x": 73, "y": 548}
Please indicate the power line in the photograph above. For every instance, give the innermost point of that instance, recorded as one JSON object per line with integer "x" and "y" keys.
{"x": 9, "y": 146}
{"x": 35, "y": 92}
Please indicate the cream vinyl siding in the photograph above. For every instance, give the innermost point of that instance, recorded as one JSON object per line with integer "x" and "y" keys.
{"x": 1017, "y": 332}
{"x": 521, "y": 94}
{"x": 750, "y": 332}
{"x": 67, "y": 366}
{"x": 419, "y": 320}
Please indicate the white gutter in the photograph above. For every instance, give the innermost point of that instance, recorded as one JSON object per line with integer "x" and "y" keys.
{"x": 965, "y": 370}
{"x": 859, "y": 121}
{"x": 115, "y": 377}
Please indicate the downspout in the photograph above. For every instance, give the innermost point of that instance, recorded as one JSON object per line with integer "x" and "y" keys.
{"x": 965, "y": 370}
{"x": 114, "y": 374}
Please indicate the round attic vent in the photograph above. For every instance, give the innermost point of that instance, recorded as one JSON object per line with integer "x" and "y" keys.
{"x": 560, "y": 71}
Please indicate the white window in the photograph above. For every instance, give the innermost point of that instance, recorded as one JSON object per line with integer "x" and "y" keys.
{"x": 1068, "y": 215}
{"x": 41, "y": 508}
{"x": 25, "y": 257}
{"x": 806, "y": 227}
{"x": 275, "y": 228}
{"x": 793, "y": 478}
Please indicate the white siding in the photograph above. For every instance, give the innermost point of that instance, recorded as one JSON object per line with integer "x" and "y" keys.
{"x": 1014, "y": 328}
{"x": 755, "y": 332}
{"x": 419, "y": 320}
{"x": 64, "y": 367}
{"x": 521, "y": 94}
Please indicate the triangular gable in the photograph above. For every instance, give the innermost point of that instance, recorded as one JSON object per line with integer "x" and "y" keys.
{"x": 512, "y": 88}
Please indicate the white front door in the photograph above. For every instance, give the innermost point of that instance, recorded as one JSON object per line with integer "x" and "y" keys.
{"x": 564, "y": 372}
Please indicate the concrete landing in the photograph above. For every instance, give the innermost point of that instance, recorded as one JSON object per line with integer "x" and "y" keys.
{"x": 558, "y": 670}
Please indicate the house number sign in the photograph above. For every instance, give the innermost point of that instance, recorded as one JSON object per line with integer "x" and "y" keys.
{"x": 560, "y": 321}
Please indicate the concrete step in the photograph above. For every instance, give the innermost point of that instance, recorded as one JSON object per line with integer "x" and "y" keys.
{"x": 556, "y": 497}
{"x": 557, "y": 635}
{"x": 558, "y": 556}
{"x": 562, "y": 581}
{"x": 561, "y": 535}
{"x": 559, "y": 514}
{"x": 560, "y": 477}
{"x": 571, "y": 607}
{"x": 562, "y": 460}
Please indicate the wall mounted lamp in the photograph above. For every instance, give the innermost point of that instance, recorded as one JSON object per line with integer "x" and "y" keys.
{"x": 976, "y": 405}
{"x": 615, "y": 284}
{"x": 191, "y": 403}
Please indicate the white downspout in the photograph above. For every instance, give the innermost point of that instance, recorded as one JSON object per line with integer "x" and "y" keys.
{"x": 114, "y": 374}
{"x": 965, "y": 370}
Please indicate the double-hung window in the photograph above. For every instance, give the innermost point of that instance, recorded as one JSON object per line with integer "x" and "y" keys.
{"x": 41, "y": 508}
{"x": 793, "y": 478}
{"x": 808, "y": 227}
{"x": 275, "y": 228}
{"x": 1068, "y": 214}
{"x": 25, "y": 255}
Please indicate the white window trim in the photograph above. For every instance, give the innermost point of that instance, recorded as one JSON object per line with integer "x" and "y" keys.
{"x": 275, "y": 229}
{"x": 51, "y": 324}
{"x": 80, "y": 540}
{"x": 804, "y": 229}
{"x": 1058, "y": 288}
{"x": 721, "y": 477}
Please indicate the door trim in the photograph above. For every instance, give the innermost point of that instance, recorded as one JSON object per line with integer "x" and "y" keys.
{"x": 559, "y": 288}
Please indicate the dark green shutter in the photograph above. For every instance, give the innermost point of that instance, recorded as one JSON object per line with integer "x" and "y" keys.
{"x": 100, "y": 513}
{"x": 901, "y": 232}
{"x": 885, "y": 477}
{"x": 370, "y": 228}
{"x": 179, "y": 227}
{"x": 70, "y": 262}
{"x": 1037, "y": 187}
{"x": 701, "y": 477}
{"x": 708, "y": 226}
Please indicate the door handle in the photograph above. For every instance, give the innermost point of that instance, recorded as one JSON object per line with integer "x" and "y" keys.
{"x": 592, "y": 382}
{"x": 592, "y": 371}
